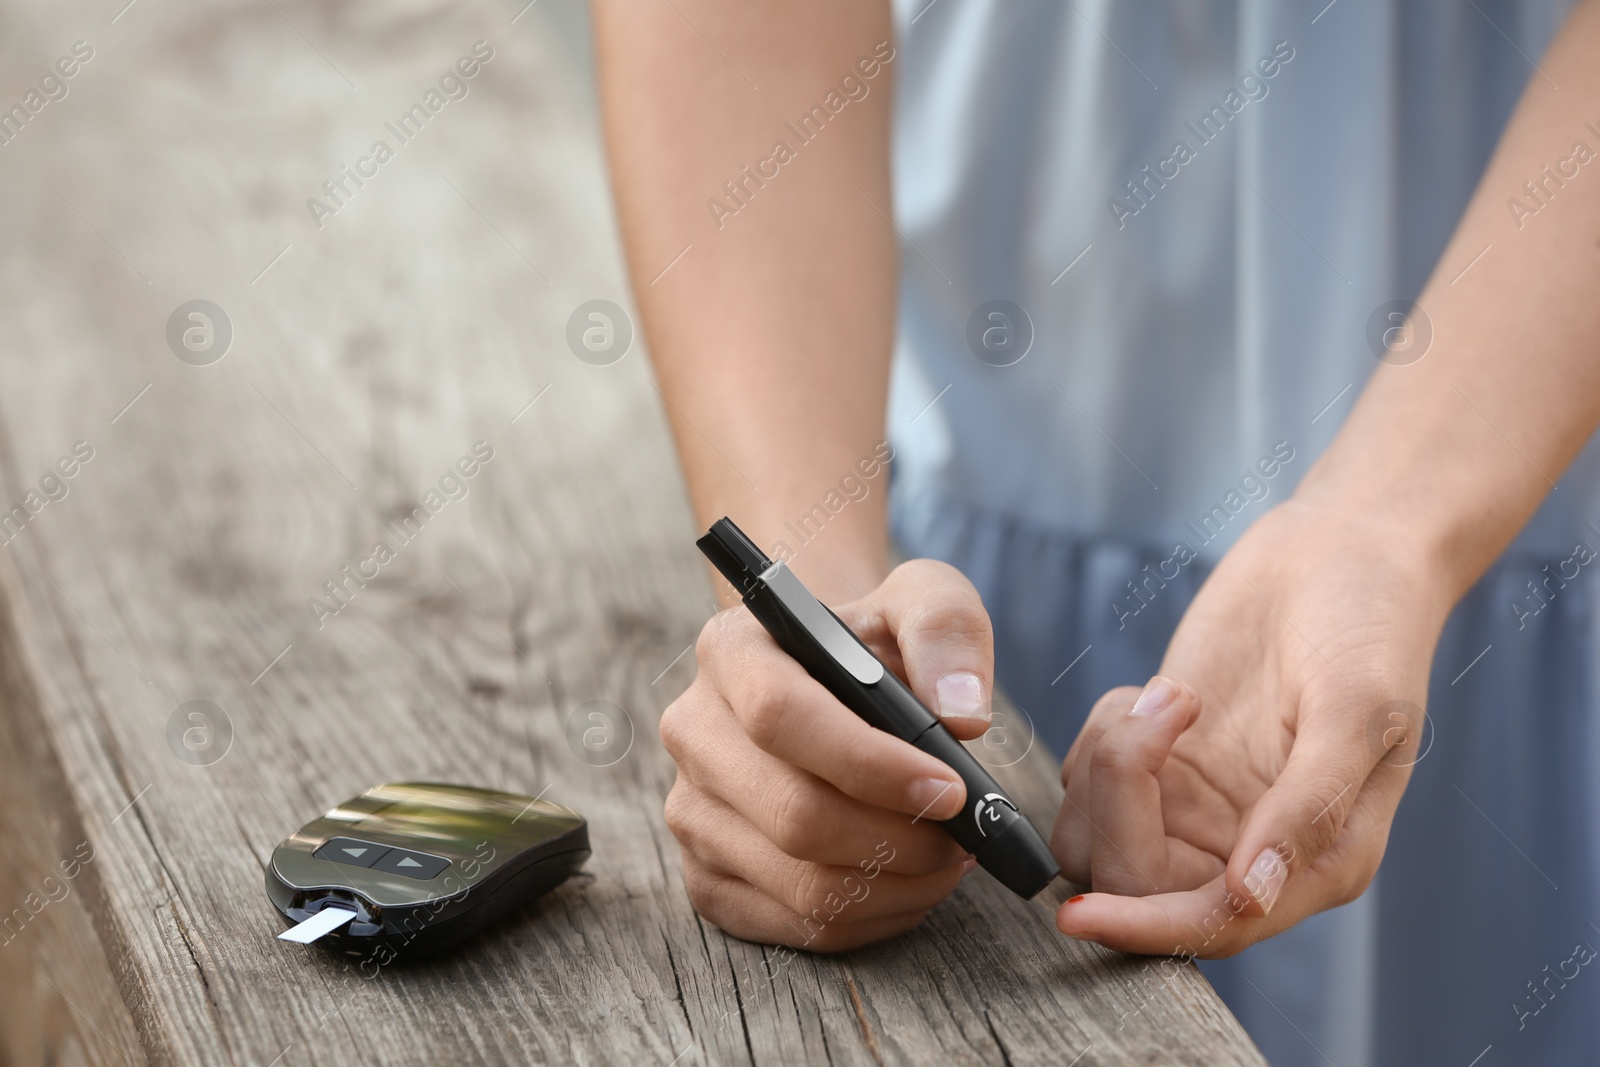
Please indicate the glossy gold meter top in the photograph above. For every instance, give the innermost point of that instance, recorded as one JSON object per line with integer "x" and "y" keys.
{"x": 477, "y": 830}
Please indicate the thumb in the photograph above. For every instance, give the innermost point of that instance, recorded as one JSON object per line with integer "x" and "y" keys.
{"x": 945, "y": 640}
{"x": 1301, "y": 815}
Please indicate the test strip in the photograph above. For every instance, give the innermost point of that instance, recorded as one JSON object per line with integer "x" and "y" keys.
{"x": 319, "y": 925}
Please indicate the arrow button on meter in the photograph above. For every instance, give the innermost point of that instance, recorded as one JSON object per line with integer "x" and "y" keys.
{"x": 352, "y": 851}
{"x": 419, "y": 865}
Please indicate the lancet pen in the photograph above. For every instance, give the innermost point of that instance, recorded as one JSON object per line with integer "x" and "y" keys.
{"x": 989, "y": 826}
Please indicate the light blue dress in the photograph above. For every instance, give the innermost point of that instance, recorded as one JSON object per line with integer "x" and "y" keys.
{"x": 1193, "y": 314}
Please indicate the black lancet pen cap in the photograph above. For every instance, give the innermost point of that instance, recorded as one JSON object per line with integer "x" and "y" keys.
{"x": 990, "y": 825}
{"x": 734, "y": 554}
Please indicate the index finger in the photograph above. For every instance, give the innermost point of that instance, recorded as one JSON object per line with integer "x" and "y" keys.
{"x": 1201, "y": 922}
{"x": 1213, "y": 921}
{"x": 789, "y": 714}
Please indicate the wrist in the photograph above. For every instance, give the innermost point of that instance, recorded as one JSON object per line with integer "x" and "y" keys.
{"x": 1408, "y": 539}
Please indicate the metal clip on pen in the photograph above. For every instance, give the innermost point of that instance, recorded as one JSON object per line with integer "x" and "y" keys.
{"x": 990, "y": 826}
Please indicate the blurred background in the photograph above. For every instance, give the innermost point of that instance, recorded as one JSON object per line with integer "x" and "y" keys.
{"x": 371, "y": 344}
{"x": 179, "y": 166}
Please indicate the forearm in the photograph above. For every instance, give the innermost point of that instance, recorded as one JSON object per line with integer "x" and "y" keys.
{"x": 771, "y": 335}
{"x": 1453, "y": 454}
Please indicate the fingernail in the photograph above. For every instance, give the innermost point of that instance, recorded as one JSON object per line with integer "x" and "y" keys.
{"x": 967, "y": 865}
{"x": 1265, "y": 879}
{"x": 936, "y": 798}
{"x": 1074, "y": 900}
{"x": 961, "y": 697}
{"x": 1156, "y": 698}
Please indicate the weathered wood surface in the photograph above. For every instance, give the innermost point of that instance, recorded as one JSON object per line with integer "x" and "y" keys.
{"x": 424, "y": 316}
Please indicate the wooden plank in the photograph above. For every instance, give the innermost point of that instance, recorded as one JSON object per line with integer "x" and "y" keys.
{"x": 368, "y": 356}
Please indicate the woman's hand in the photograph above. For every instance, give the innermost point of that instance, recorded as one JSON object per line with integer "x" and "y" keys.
{"x": 1252, "y": 783}
{"x": 800, "y": 824}
{"x": 1264, "y": 791}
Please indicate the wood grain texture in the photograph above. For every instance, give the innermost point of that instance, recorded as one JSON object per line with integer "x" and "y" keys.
{"x": 368, "y": 355}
